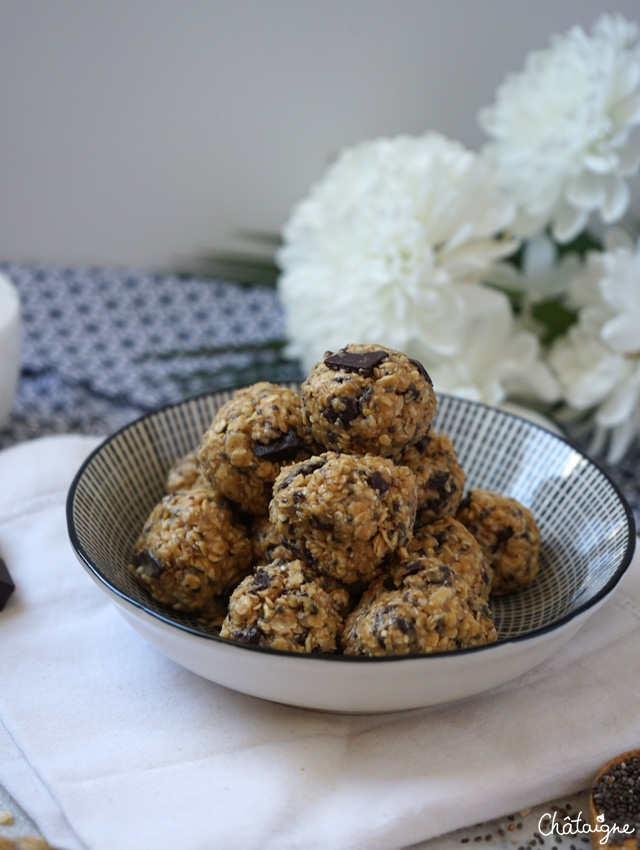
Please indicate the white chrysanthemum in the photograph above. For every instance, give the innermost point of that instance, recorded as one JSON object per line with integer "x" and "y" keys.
{"x": 375, "y": 251}
{"x": 497, "y": 360}
{"x": 561, "y": 128}
{"x": 542, "y": 275}
{"x": 598, "y": 361}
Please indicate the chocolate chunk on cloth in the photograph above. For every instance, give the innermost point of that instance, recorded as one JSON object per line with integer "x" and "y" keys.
{"x": 7, "y": 585}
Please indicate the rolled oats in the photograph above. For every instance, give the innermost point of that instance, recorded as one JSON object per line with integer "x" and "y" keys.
{"x": 250, "y": 438}
{"x": 508, "y": 536}
{"x": 190, "y": 551}
{"x": 345, "y": 514}
{"x": 368, "y": 399}
{"x": 287, "y": 605}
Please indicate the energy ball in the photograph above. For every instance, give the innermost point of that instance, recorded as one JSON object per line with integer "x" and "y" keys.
{"x": 439, "y": 476}
{"x": 368, "y": 399}
{"x": 185, "y": 474}
{"x": 287, "y": 605}
{"x": 266, "y": 542}
{"x": 508, "y": 536}
{"x": 422, "y": 606}
{"x": 345, "y": 514}
{"x": 453, "y": 545}
{"x": 190, "y": 551}
{"x": 249, "y": 440}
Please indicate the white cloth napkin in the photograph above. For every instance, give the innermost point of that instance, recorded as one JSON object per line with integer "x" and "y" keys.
{"x": 106, "y": 743}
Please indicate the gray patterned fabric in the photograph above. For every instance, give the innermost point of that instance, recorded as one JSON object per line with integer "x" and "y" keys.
{"x": 93, "y": 340}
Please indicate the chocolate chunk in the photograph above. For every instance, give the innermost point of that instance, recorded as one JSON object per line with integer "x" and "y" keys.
{"x": 365, "y": 397}
{"x": 343, "y": 413}
{"x": 465, "y": 504}
{"x": 377, "y": 482}
{"x": 151, "y": 566}
{"x": 261, "y": 579}
{"x": 440, "y": 537}
{"x": 307, "y": 468}
{"x": 412, "y": 567}
{"x": 502, "y": 537}
{"x": 405, "y": 627}
{"x": 389, "y": 583}
{"x": 423, "y": 444}
{"x": 320, "y": 523}
{"x": 444, "y": 486}
{"x": 362, "y": 362}
{"x": 251, "y": 636}
{"x": 439, "y": 575}
{"x": 286, "y": 448}
{"x": 421, "y": 369}
{"x": 6, "y": 584}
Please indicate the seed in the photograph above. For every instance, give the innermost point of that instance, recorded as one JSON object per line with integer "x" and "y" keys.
{"x": 617, "y": 795}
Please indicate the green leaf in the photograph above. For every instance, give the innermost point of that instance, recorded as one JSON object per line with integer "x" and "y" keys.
{"x": 583, "y": 243}
{"x": 555, "y": 317}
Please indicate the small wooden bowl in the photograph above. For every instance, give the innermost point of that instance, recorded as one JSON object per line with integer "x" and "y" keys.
{"x": 597, "y": 832}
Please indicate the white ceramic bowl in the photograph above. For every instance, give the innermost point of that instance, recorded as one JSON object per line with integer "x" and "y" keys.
{"x": 587, "y": 543}
{"x": 9, "y": 344}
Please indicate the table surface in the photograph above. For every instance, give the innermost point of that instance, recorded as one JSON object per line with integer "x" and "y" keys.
{"x": 99, "y": 349}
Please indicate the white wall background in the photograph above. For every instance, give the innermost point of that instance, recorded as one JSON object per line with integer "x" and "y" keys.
{"x": 142, "y": 132}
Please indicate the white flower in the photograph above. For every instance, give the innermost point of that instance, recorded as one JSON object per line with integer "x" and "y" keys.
{"x": 380, "y": 248}
{"x": 542, "y": 275}
{"x": 561, "y": 128}
{"x": 598, "y": 361}
{"x": 497, "y": 360}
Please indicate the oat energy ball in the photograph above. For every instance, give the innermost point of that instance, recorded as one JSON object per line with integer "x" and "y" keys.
{"x": 368, "y": 399}
{"x": 439, "y": 476}
{"x": 190, "y": 551}
{"x": 287, "y": 605}
{"x": 508, "y": 536}
{"x": 345, "y": 514}
{"x": 250, "y": 438}
{"x": 453, "y": 545}
{"x": 186, "y": 474}
{"x": 422, "y": 606}
{"x": 266, "y": 542}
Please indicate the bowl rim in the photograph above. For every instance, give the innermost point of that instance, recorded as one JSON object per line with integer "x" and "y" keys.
{"x": 97, "y": 574}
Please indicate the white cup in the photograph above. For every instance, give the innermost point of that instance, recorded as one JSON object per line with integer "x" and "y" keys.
{"x": 9, "y": 344}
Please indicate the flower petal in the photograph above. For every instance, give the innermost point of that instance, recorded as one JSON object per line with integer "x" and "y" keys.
{"x": 622, "y": 333}
{"x": 585, "y": 191}
{"x": 568, "y": 222}
{"x": 629, "y": 160}
{"x": 617, "y": 197}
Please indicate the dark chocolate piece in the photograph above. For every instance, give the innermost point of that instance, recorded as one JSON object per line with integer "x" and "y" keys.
{"x": 303, "y": 468}
{"x": 443, "y": 484}
{"x": 286, "y": 448}
{"x": 378, "y": 482}
{"x": 439, "y": 575}
{"x": 421, "y": 369}
{"x": 503, "y": 536}
{"x": 6, "y": 584}
{"x": 345, "y": 417}
{"x": 150, "y": 565}
{"x": 261, "y": 579}
{"x": 362, "y": 362}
